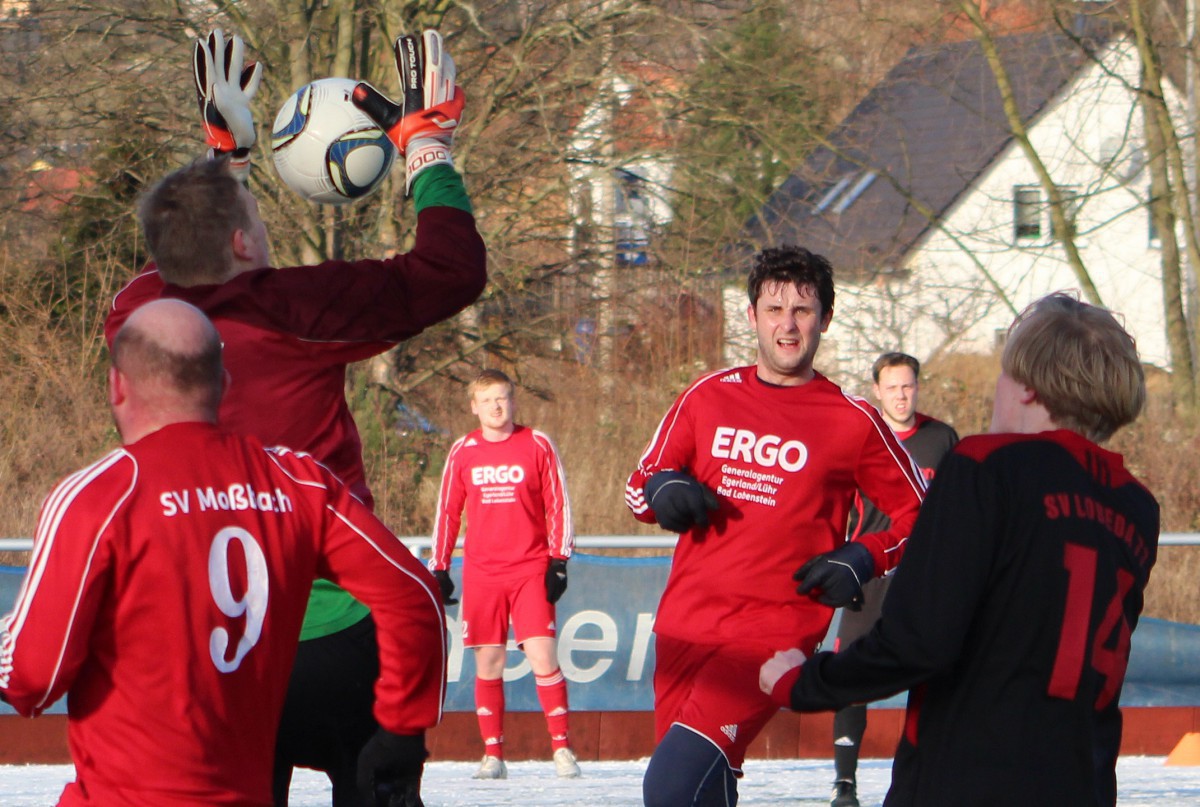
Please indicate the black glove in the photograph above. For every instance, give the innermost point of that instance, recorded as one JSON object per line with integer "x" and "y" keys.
{"x": 389, "y": 769}
{"x": 446, "y": 585}
{"x": 839, "y": 575}
{"x": 679, "y": 502}
{"x": 556, "y": 580}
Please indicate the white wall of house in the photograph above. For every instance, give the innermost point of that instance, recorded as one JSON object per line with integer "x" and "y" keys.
{"x": 968, "y": 278}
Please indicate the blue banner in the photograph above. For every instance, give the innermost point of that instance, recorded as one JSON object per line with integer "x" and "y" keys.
{"x": 606, "y": 645}
{"x": 605, "y": 640}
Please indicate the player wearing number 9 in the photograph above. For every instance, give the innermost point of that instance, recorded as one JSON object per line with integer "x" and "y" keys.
{"x": 1010, "y": 616}
{"x": 169, "y": 581}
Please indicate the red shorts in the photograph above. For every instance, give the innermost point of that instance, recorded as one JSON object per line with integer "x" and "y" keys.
{"x": 712, "y": 690}
{"x": 488, "y": 607}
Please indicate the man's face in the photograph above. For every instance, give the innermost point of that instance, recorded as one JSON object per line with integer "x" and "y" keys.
{"x": 789, "y": 323}
{"x": 493, "y": 405}
{"x": 896, "y": 392}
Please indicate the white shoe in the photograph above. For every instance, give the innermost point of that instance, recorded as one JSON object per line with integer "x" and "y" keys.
{"x": 491, "y": 768}
{"x": 565, "y": 764}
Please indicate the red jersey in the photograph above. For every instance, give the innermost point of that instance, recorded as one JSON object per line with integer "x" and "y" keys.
{"x": 515, "y": 493}
{"x": 165, "y": 595}
{"x": 785, "y": 463}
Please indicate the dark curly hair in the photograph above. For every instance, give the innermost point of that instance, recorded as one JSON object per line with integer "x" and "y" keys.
{"x": 796, "y": 265}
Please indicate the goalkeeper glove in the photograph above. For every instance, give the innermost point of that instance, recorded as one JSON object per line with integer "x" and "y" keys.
{"x": 679, "y": 502}
{"x": 839, "y": 575}
{"x": 422, "y": 125}
{"x": 389, "y": 769}
{"x": 225, "y": 84}
{"x": 446, "y": 585}
{"x": 556, "y": 580}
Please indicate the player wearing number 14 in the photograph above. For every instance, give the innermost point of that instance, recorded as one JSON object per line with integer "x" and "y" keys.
{"x": 1009, "y": 618}
{"x": 169, "y": 611}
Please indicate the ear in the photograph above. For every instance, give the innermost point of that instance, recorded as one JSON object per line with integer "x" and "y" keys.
{"x": 242, "y": 244}
{"x": 474, "y": 406}
{"x": 826, "y": 318}
{"x": 117, "y": 392}
{"x": 753, "y": 317}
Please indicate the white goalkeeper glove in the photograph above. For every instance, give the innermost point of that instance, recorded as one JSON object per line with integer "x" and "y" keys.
{"x": 422, "y": 125}
{"x": 225, "y": 84}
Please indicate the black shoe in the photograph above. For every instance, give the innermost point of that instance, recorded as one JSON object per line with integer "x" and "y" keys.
{"x": 845, "y": 794}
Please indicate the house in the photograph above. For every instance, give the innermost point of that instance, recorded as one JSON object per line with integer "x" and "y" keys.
{"x": 935, "y": 220}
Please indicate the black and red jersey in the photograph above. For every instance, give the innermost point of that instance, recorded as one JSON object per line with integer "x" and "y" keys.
{"x": 927, "y": 441}
{"x": 1010, "y": 620}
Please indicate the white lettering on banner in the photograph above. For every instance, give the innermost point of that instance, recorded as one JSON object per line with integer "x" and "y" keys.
{"x": 641, "y": 644}
{"x": 571, "y": 644}
{"x": 497, "y": 475}
{"x": 767, "y": 451}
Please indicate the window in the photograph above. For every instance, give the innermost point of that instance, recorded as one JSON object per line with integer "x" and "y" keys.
{"x": 631, "y": 219}
{"x": 1071, "y": 201}
{"x": 1027, "y": 213}
{"x": 1032, "y": 222}
{"x": 838, "y": 198}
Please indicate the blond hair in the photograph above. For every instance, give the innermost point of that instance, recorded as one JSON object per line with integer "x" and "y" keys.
{"x": 489, "y": 378}
{"x": 1080, "y": 362}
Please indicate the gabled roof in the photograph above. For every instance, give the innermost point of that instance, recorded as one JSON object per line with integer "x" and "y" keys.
{"x": 931, "y": 126}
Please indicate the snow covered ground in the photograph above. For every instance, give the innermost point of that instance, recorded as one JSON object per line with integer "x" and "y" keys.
{"x": 1142, "y": 781}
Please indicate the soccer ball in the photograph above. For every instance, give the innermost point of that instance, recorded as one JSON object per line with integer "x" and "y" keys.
{"x": 325, "y": 148}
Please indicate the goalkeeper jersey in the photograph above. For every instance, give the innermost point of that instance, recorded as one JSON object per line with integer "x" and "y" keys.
{"x": 165, "y": 593}
{"x": 785, "y": 463}
{"x": 290, "y": 333}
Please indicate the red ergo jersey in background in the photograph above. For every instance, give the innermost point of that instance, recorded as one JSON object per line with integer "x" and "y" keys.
{"x": 166, "y": 590}
{"x": 785, "y": 463}
{"x": 518, "y": 513}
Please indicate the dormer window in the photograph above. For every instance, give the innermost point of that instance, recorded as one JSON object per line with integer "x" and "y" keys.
{"x": 1027, "y": 213}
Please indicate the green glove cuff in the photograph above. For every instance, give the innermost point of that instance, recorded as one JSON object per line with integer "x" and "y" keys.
{"x": 440, "y": 186}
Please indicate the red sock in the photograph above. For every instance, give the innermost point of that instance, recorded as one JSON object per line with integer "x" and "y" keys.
{"x": 552, "y": 694}
{"x": 489, "y": 708}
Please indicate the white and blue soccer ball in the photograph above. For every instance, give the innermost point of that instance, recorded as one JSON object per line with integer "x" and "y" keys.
{"x": 325, "y": 148}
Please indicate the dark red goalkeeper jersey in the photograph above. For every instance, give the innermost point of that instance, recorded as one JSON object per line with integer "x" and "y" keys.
{"x": 165, "y": 595}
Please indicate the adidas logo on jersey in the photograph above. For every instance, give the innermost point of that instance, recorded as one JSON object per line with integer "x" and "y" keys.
{"x": 730, "y": 731}
{"x": 732, "y": 378}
